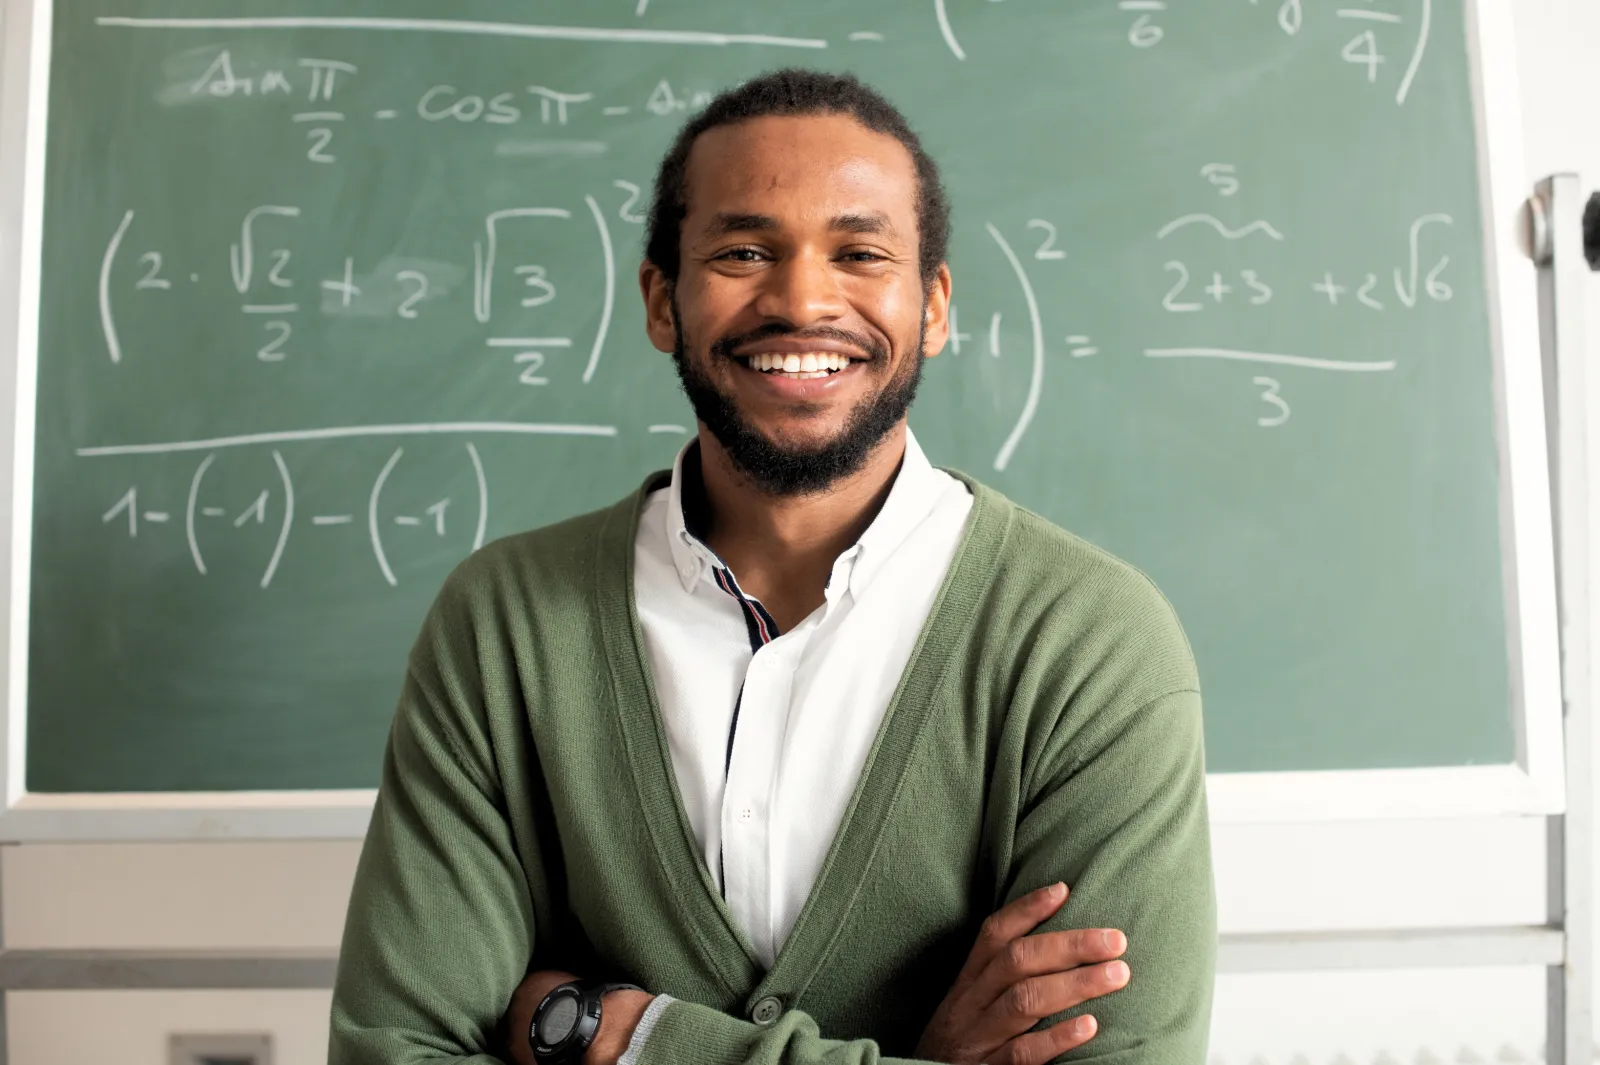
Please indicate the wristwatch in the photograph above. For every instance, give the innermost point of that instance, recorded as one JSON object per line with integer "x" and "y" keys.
{"x": 566, "y": 1022}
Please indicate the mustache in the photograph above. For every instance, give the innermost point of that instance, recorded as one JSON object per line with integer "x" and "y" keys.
{"x": 865, "y": 345}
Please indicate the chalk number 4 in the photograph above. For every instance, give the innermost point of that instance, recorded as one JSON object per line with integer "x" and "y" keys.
{"x": 1363, "y": 51}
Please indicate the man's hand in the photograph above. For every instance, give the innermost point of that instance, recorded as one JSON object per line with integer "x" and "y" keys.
{"x": 618, "y": 1018}
{"x": 1012, "y": 980}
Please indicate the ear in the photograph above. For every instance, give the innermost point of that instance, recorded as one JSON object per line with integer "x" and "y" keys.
{"x": 936, "y": 324}
{"x": 657, "y": 292}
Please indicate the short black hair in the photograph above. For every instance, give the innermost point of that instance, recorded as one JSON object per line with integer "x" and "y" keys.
{"x": 796, "y": 92}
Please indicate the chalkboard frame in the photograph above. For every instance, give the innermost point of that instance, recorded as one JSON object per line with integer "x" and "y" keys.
{"x": 1533, "y": 784}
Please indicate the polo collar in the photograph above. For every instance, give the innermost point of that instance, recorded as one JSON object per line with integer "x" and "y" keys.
{"x": 693, "y": 560}
{"x": 911, "y": 499}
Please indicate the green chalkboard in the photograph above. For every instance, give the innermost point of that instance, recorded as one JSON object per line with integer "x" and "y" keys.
{"x": 333, "y": 292}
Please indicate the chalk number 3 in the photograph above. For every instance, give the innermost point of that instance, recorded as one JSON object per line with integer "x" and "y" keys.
{"x": 1270, "y": 395}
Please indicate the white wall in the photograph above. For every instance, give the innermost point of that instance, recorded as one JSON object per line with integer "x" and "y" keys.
{"x": 1279, "y": 877}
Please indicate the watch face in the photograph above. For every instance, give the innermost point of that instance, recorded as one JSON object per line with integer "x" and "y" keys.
{"x": 558, "y": 1021}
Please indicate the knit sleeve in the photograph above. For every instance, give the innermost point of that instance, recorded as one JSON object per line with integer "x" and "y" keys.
{"x": 440, "y": 925}
{"x": 688, "y": 1031}
{"x": 1122, "y": 821}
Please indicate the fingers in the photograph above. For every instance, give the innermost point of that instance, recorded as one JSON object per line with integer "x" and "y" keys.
{"x": 1010, "y": 921}
{"x": 1047, "y": 952}
{"x": 1036, "y": 1048}
{"x": 1043, "y": 954}
{"x": 1013, "y": 979}
{"x": 1027, "y": 1002}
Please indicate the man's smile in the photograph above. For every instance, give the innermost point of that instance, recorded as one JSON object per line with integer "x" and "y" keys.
{"x": 800, "y": 358}
{"x": 810, "y": 366}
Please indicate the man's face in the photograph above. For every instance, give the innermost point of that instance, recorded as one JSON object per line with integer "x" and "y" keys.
{"x": 799, "y": 319}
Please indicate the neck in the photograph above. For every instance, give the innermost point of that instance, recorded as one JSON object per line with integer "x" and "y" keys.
{"x": 782, "y": 548}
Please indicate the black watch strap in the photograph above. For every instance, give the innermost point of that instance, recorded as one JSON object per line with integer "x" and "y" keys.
{"x": 600, "y": 989}
{"x": 586, "y": 996}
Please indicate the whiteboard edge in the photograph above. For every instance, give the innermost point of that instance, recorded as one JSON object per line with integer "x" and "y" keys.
{"x": 1379, "y": 794}
{"x": 1534, "y": 648}
{"x": 26, "y": 51}
{"x": 1235, "y": 799}
{"x": 200, "y": 816}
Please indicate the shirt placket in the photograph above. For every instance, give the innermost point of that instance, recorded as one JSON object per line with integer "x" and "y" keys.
{"x": 743, "y": 857}
{"x": 760, "y": 722}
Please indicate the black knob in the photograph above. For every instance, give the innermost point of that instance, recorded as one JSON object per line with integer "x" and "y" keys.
{"x": 1591, "y": 232}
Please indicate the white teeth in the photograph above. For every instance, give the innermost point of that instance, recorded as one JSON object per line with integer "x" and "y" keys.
{"x": 804, "y": 367}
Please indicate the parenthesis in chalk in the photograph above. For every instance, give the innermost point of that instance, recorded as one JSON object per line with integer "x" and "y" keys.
{"x": 288, "y": 518}
{"x": 194, "y": 496}
{"x": 483, "y": 496}
{"x": 372, "y": 516}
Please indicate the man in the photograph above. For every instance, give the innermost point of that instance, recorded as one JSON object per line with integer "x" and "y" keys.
{"x": 772, "y": 737}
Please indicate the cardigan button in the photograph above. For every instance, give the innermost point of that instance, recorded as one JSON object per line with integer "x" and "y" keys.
{"x": 767, "y": 1010}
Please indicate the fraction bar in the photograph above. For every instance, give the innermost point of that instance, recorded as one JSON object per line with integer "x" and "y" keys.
{"x": 530, "y": 342}
{"x": 481, "y": 29}
{"x": 346, "y": 432}
{"x": 1258, "y": 356}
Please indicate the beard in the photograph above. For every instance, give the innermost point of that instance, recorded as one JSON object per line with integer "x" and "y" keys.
{"x": 783, "y": 470}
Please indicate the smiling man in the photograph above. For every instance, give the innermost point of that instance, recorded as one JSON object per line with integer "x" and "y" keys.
{"x": 806, "y": 751}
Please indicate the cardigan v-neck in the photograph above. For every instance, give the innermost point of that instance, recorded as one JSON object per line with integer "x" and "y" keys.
{"x": 727, "y": 949}
{"x": 769, "y": 729}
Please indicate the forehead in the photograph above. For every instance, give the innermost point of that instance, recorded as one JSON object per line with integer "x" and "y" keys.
{"x": 793, "y": 166}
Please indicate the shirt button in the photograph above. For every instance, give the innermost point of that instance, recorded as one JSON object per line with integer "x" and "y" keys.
{"x": 767, "y": 1010}
{"x": 746, "y": 814}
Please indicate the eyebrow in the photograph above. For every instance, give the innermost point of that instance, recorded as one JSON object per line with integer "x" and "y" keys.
{"x": 874, "y": 224}
{"x": 871, "y": 224}
{"x": 724, "y": 224}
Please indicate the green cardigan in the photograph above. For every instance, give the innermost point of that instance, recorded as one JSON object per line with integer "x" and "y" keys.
{"x": 1047, "y": 728}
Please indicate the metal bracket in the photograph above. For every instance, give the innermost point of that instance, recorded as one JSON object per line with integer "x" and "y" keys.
{"x": 1591, "y": 232}
{"x": 1541, "y": 236}
{"x": 1558, "y": 235}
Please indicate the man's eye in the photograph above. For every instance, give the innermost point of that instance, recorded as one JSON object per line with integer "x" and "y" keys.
{"x": 862, "y": 257}
{"x": 741, "y": 255}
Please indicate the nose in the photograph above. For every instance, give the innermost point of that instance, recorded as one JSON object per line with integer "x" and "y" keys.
{"x": 802, "y": 290}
